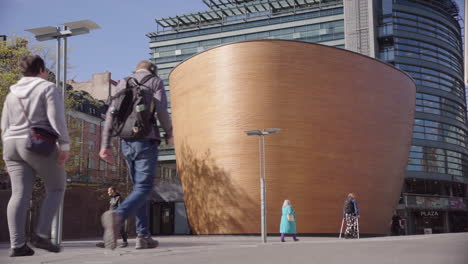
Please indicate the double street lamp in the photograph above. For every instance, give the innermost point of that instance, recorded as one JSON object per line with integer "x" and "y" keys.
{"x": 69, "y": 29}
{"x": 262, "y": 133}
{"x": 61, "y": 33}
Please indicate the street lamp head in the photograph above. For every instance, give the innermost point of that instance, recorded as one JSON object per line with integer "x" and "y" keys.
{"x": 44, "y": 32}
{"x": 256, "y": 132}
{"x": 260, "y": 132}
{"x": 272, "y": 130}
{"x": 74, "y": 28}
{"x": 88, "y": 24}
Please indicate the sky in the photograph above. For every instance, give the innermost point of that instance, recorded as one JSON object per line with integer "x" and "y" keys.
{"x": 120, "y": 43}
{"x": 117, "y": 47}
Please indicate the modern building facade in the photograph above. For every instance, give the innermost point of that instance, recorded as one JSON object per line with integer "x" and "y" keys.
{"x": 328, "y": 144}
{"x": 421, "y": 37}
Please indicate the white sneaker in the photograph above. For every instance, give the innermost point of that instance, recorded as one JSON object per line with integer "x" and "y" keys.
{"x": 145, "y": 242}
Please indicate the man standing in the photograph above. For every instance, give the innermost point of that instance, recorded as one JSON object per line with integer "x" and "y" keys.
{"x": 139, "y": 146}
{"x": 114, "y": 203}
{"x": 395, "y": 226}
{"x": 351, "y": 214}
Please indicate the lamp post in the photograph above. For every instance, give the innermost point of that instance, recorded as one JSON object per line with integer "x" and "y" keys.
{"x": 262, "y": 133}
{"x": 58, "y": 33}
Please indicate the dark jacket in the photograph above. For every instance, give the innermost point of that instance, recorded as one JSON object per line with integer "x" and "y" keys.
{"x": 354, "y": 203}
{"x": 114, "y": 202}
{"x": 160, "y": 101}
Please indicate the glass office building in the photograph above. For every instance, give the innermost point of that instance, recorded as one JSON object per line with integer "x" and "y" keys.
{"x": 421, "y": 37}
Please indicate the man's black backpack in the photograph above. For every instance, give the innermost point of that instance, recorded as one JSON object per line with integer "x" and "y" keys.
{"x": 133, "y": 114}
{"x": 349, "y": 206}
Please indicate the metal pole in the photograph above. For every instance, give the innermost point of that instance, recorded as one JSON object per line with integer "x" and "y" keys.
{"x": 57, "y": 64}
{"x": 57, "y": 225}
{"x": 64, "y": 83}
{"x": 64, "y": 67}
{"x": 261, "y": 183}
{"x": 263, "y": 188}
{"x": 341, "y": 229}
{"x": 264, "y": 192}
{"x": 56, "y": 228}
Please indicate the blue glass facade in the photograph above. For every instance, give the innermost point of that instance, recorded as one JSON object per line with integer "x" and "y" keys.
{"x": 423, "y": 38}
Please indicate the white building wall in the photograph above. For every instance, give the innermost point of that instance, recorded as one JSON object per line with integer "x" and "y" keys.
{"x": 360, "y": 20}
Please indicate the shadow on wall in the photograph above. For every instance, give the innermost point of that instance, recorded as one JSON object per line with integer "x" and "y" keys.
{"x": 215, "y": 204}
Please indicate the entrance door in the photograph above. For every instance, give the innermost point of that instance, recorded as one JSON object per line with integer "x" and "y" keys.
{"x": 429, "y": 221}
{"x": 162, "y": 218}
{"x": 167, "y": 219}
{"x": 155, "y": 218}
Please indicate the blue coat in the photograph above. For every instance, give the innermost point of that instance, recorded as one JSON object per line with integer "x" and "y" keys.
{"x": 288, "y": 227}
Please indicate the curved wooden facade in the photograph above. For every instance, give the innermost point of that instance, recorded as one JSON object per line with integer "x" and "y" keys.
{"x": 346, "y": 119}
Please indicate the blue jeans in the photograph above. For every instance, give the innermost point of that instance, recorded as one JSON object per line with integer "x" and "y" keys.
{"x": 141, "y": 157}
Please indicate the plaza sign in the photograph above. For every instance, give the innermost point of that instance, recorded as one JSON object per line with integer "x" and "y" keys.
{"x": 429, "y": 213}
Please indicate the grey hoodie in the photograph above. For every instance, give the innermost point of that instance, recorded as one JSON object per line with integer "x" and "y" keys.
{"x": 44, "y": 105}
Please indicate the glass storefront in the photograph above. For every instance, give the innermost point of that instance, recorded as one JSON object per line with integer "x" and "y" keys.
{"x": 429, "y": 222}
{"x": 424, "y": 40}
{"x": 458, "y": 221}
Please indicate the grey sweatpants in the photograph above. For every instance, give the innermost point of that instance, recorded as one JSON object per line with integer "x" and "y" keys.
{"x": 22, "y": 166}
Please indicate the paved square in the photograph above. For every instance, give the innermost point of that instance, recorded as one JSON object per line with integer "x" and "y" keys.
{"x": 422, "y": 249}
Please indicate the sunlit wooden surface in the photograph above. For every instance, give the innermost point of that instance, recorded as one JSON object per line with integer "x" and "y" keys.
{"x": 346, "y": 120}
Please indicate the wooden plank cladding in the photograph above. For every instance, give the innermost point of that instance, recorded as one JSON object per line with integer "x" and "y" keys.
{"x": 347, "y": 124}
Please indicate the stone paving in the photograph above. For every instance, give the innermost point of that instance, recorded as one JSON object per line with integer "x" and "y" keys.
{"x": 421, "y": 249}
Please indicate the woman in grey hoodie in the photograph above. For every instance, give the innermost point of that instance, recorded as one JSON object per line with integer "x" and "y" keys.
{"x": 43, "y": 106}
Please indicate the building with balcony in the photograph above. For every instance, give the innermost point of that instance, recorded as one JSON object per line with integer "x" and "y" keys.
{"x": 85, "y": 124}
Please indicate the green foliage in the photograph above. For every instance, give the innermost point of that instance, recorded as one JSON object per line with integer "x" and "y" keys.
{"x": 10, "y": 55}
